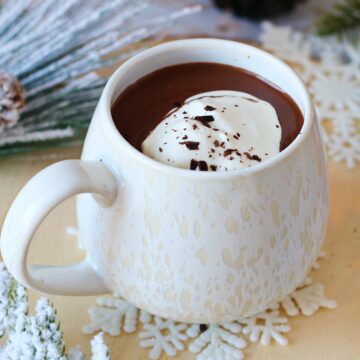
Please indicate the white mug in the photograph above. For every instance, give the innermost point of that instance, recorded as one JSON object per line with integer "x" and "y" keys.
{"x": 201, "y": 247}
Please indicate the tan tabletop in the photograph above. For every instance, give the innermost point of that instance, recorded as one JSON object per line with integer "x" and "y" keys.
{"x": 329, "y": 334}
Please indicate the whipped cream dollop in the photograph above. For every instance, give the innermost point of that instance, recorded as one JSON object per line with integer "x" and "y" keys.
{"x": 216, "y": 131}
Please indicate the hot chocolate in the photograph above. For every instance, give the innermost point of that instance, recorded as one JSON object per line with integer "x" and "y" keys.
{"x": 206, "y": 116}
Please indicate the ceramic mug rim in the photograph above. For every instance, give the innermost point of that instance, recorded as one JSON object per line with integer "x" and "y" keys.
{"x": 108, "y": 122}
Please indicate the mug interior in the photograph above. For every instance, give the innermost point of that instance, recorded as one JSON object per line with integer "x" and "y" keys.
{"x": 219, "y": 51}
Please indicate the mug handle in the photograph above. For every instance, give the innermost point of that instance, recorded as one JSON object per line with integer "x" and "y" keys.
{"x": 39, "y": 196}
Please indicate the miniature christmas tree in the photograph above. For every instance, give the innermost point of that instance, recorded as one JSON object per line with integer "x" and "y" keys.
{"x": 36, "y": 337}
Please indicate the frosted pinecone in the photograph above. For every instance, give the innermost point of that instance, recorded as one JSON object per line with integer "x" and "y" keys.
{"x": 12, "y": 100}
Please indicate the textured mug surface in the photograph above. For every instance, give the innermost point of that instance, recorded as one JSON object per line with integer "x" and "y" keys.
{"x": 197, "y": 246}
{"x": 203, "y": 247}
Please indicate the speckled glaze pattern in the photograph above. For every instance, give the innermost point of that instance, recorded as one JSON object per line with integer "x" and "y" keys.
{"x": 205, "y": 247}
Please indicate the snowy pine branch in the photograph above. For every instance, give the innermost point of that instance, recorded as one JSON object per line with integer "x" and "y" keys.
{"x": 54, "y": 48}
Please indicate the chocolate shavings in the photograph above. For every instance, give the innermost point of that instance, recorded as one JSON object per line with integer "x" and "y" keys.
{"x": 227, "y": 152}
{"x": 252, "y": 157}
{"x": 193, "y": 164}
{"x": 205, "y": 119}
{"x": 209, "y": 108}
{"x": 202, "y": 165}
{"x": 191, "y": 145}
{"x": 249, "y": 99}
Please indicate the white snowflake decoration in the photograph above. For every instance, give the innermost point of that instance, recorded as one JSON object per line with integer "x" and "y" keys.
{"x": 265, "y": 326}
{"x": 217, "y": 342}
{"x": 163, "y": 335}
{"x": 331, "y": 70}
{"x": 111, "y": 315}
{"x": 307, "y": 300}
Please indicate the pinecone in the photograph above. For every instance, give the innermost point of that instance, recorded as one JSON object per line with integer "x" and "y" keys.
{"x": 12, "y": 100}
{"x": 258, "y": 9}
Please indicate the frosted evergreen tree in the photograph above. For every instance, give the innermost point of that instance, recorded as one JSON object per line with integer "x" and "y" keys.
{"x": 13, "y": 300}
{"x": 36, "y": 337}
{"x": 99, "y": 350}
{"x": 75, "y": 353}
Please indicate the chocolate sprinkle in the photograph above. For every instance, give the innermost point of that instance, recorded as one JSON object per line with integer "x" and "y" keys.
{"x": 252, "y": 157}
{"x": 193, "y": 164}
{"x": 227, "y": 152}
{"x": 216, "y": 143}
{"x": 191, "y": 145}
{"x": 205, "y": 119}
{"x": 209, "y": 108}
{"x": 203, "y": 166}
{"x": 203, "y": 327}
{"x": 213, "y": 168}
{"x": 160, "y": 149}
{"x": 252, "y": 100}
{"x": 184, "y": 137}
{"x": 194, "y": 127}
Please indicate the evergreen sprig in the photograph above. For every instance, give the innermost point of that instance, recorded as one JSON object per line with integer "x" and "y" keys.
{"x": 344, "y": 19}
{"x": 55, "y": 49}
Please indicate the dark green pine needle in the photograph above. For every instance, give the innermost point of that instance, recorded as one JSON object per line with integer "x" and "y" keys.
{"x": 344, "y": 19}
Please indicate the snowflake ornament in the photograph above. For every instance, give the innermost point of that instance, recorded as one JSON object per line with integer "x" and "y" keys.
{"x": 217, "y": 342}
{"x": 344, "y": 148}
{"x": 163, "y": 336}
{"x": 315, "y": 266}
{"x": 307, "y": 300}
{"x": 265, "y": 326}
{"x": 337, "y": 89}
{"x": 331, "y": 69}
{"x": 111, "y": 315}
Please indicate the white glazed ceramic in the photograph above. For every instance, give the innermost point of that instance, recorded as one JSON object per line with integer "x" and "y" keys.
{"x": 201, "y": 247}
